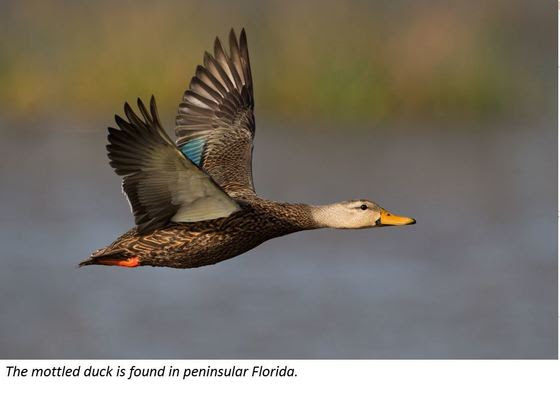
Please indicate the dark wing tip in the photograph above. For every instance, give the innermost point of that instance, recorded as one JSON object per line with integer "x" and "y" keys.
{"x": 207, "y": 59}
{"x": 217, "y": 45}
{"x": 154, "y": 113}
{"x": 232, "y": 35}
{"x": 243, "y": 38}
{"x": 122, "y": 123}
{"x": 140, "y": 104}
{"x": 144, "y": 111}
{"x": 129, "y": 112}
{"x": 153, "y": 108}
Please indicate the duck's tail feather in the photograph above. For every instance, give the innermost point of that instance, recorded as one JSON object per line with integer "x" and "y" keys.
{"x": 111, "y": 260}
{"x": 87, "y": 262}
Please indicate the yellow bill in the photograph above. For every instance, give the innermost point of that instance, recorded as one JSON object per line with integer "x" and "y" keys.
{"x": 391, "y": 219}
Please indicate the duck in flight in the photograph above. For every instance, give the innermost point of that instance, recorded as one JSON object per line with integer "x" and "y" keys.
{"x": 193, "y": 200}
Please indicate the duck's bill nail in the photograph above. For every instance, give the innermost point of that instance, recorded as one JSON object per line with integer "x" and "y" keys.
{"x": 391, "y": 219}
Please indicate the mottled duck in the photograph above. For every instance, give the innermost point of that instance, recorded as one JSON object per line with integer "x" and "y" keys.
{"x": 193, "y": 201}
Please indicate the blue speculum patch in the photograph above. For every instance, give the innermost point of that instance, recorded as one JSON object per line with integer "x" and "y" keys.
{"x": 193, "y": 150}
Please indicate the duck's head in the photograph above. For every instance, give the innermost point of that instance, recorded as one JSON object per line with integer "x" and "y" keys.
{"x": 356, "y": 214}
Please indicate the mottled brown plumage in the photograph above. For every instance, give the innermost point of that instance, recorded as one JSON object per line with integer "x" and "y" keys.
{"x": 187, "y": 245}
{"x": 194, "y": 202}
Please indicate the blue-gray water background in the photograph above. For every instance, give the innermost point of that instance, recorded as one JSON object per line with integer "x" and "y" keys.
{"x": 476, "y": 277}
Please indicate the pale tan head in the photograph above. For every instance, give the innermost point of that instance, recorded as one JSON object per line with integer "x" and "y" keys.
{"x": 355, "y": 215}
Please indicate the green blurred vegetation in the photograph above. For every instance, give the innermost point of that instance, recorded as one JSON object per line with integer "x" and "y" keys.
{"x": 340, "y": 61}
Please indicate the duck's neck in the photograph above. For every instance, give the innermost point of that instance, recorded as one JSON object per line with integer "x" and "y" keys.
{"x": 328, "y": 216}
{"x": 301, "y": 217}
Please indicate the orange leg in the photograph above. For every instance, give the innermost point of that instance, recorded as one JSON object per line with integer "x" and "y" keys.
{"x": 130, "y": 262}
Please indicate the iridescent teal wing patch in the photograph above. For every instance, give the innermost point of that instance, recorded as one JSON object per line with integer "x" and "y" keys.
{"x": 193, "y": 150}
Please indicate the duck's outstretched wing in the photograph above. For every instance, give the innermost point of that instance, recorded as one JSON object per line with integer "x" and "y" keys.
{"x": 215, "y": 125}
{"x": 160, "y": 183}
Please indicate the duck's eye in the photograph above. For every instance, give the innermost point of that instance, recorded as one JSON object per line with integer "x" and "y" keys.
{"x": 363, "y": 207}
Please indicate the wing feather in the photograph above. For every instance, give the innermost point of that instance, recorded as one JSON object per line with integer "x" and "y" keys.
{"x": 217, "y": 112}
{"x": 160, "y": 183}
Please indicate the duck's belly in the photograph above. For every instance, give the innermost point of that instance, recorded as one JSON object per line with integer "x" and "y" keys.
{"x": 183, "y": 247}
{"x": 208, "y": 249}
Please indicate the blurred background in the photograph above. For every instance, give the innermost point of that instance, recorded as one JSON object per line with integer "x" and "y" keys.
{"x": 441, "y": 110}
